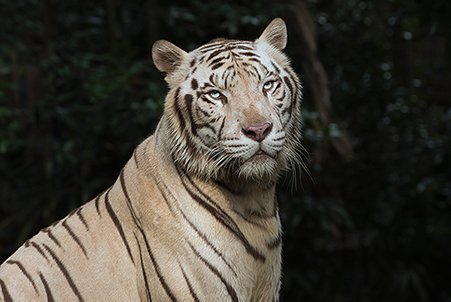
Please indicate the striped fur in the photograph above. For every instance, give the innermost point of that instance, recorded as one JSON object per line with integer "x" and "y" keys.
{"x": 193, "y": 214}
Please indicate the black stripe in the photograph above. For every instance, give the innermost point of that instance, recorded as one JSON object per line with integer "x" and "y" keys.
{"x": 189, "y": 102}
{"x": 217, "y": 65}
{"x": 243, "y": 47}
{"x": 210, "y": 46}
{"x": 97, "y": 204}
{"x": 5, "y": 292}
{"x": 230, "y": 289}
{"x": 212, "y": 207}
{"x": 207, "y": 85}
{"x": 135, "y": 158}
{"x": 249, "y": 54}
{"x": 275, "y": 67}
{"x": 97, "y": 201}
{"x": 217, "y": 60}
{"x": 157, "y": 269}
{"x": 226, "y": 81}
{"x": 205, "y": 113}
{"x": 254, "y": 223}
{"x": 276, "y": 242}
{"x": 75, "y": 237}
{"x": 206, "y": 100}
{"x": 254, "y": 59}
{"x": 39, "y": 249}
{"x": 149, "y": 298}
{"x": 222, "y": 217}
{"x": 191, "y": 290}
{"x": 136, "y": 220}
{"x": 82, "y": 218}
{"x": 279, "y": 83}
{"x": 66, "y": 274}
{"x": 290, "y": 86}
{"x": 279, "y": 139}
{"x": 194, "y": 84}
{"x": 177, "y": 109}
{"x": 22, "y": 269}
{"x": 48, "y": 292}
{"x": 287, "y": 110}
{"x": 256, "y": 71}
{"x": 164, "y": 190}
{"x": 211, "y": 78}
{"x": 118, "y": 225}
{"x": 221, "y": 128}
{"x": 293, "y": 96}
{"x": 51, "y": 236}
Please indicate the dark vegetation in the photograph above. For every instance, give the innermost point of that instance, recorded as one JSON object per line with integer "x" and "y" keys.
{"x": 373, "y": 222}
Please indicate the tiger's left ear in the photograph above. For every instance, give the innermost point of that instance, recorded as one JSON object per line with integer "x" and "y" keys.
{"x": 275, "y": 34}
{"x": 166, "y": 56}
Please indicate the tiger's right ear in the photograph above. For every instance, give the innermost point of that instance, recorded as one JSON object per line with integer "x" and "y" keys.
{"x": 275, "y": 34}
{"x": 166, "y": 56}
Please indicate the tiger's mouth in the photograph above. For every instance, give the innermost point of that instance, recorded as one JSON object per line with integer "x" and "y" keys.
{"x": 261, "y": 155}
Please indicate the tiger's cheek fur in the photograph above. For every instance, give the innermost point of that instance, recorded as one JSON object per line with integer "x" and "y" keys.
{"x": 204, "y": 116}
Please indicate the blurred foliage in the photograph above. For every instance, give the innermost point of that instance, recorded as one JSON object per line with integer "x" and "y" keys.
{"x": 78, "y": 91}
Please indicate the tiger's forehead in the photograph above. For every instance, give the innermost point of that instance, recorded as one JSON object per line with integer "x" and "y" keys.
{"x": 226, "y": 44}
{"x": 221, "y": 50}
{"x": 234, "y": 60}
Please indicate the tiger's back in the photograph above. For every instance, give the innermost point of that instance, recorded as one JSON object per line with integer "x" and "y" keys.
{"x": 193, "y": 214}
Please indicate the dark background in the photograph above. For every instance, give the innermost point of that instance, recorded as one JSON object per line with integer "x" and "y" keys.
{"x": 78, "y": 92}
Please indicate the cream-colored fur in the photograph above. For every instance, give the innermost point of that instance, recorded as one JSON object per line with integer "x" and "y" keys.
{"x": 182, "y": 222}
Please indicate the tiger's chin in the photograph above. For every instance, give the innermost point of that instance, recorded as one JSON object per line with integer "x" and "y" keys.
{"x": 259, "y": 168}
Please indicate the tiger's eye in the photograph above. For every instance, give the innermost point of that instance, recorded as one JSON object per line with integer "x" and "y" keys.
{"x": 268, "y": 85}
{"x": 215, "y": 94}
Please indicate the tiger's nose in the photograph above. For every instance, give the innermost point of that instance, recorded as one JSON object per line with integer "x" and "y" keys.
{"x": 257, "y": 132}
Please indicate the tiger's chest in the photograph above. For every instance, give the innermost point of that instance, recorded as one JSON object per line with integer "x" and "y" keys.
{"x": 208, "y": 248}
{"x": 227, "y": 256}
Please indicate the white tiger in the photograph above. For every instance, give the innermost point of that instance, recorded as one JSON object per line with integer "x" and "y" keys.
{"x": 193, "y": 215}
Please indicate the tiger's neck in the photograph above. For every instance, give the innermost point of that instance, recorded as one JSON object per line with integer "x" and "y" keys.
{"x": 247, "y": 199}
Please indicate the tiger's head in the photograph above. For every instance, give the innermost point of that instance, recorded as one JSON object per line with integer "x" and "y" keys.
{"x": 232, "y": 113}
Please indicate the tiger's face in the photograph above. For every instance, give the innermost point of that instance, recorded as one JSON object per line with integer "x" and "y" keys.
{"x": 232, "y": 109}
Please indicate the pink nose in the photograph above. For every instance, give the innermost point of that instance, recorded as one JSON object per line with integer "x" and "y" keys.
{"x": 257, "y": 132}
